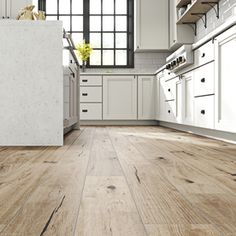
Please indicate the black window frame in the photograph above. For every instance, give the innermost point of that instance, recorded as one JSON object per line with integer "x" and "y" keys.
{"x": 86, "y": 31}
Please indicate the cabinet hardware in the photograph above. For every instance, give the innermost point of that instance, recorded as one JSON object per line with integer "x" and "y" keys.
{"x": 8, "y": 17}
{"x": 169, "y": 111}
{"x": 169, "y": 90}
{"x": 203, "y": 112}
{"x": 3, "y": 17}
{"x": 203, "y": 55}
{"x": 84, "y": 94}
{"x": 84, "y": 80}
{"x": 203, "y": 80}
{"x": 73, "y": 75}
{"x": 84, "y": 110}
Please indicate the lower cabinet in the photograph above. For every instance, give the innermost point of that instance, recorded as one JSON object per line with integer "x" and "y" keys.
{"x": 70, "y": 98}
{"x": 188, "y": 98}
{"x": 146, "y": 98}
{"x": 120, "y": 97}
{"x": 91, "y": 111}
{"x": 225, "y": 47}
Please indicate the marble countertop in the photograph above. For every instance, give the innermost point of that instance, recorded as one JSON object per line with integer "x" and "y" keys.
{"x": 115, "y": 74}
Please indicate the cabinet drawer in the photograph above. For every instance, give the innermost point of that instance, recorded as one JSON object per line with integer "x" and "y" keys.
{"x": 91, "y": 111}
{"x": 170, "y": 89}
{"x": 91, "y": 94}
{"x": 170, "y": 113}
{"x": 204, "y": 54}
{"x": 204, "y": 80}
{"x": 90, "y": 80}
{"x": 204, "y": 112}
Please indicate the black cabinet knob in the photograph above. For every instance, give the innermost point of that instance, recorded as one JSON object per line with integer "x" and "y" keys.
{"x": 203, "y": 55}
{"x": 84, "y": 80}
{"x": 169, "y": 90}
{"x": 203, "y": 80}
{"x": 203, "y": 112}
{"x": 3, "y": 17}
{"x": 84, "y": 94}
{"x": 169, "y": 111}
{"x": 85, "y": 111}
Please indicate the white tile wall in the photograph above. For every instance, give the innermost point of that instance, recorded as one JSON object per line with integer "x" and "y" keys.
{"x": 227, "y": 9}
{"x": 144, "y": 63}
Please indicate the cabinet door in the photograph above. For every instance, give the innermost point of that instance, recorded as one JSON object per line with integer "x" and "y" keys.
{"x": 14, "y": 7}
{"x": 161, "y": 99}
{"x": 152, "y": 24}
{"x": 146, "y": 98}
{"x": 188, "y": 95}
{"x": 225, "y": 65}
{"x": 119, "y": 98}
{"x": 179, "y": 101}
{"x": 2, "y": 9}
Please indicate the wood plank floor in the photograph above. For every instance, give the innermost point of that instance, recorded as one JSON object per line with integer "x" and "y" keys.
{"x": 120, "y": 181}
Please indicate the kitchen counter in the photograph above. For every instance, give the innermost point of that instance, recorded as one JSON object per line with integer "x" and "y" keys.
{"x": 115, "y": 74}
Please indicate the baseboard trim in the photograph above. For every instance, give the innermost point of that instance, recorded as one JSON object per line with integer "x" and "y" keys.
{"x": 215, "y": 134}
{"x": 118, "y": 122}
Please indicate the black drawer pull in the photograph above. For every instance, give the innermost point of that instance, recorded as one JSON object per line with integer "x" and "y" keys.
{"x": 84, "y": 80}
{"x": 203, "y": 55}
{"x": 169, "y": 111}
{"x": 84, "y": 110}
{"x": 203, "y": 112}
{"x": 84, "y": 94}
{"x": 203, "y": 80}
{"x": 169, "y": 90}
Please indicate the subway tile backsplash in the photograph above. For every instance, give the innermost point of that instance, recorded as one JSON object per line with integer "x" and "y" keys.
{"x": 144, "y": 62}
{"x": 227, "y": 10}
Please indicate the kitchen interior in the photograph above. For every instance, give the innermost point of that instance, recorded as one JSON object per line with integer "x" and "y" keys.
{"x": 117, "y": 117}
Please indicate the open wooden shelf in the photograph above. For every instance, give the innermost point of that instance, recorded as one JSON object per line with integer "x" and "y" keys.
{"x": 200, "y": 7}
{"x": 181, "y": 3}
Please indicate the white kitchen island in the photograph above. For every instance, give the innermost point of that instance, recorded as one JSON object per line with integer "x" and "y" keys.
{"x": 31, "y": 83}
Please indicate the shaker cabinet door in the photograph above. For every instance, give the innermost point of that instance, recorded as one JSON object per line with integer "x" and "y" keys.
{"x": 119, "y": 98}
{"x": 225, "y": 65}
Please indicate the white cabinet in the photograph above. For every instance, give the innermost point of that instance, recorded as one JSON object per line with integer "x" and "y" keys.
{"x": 146, "y": 98}
{"x": 10, "y": 8}
{"x": 91, "y": 111}
{"x": 188, "y": 98}
{"x": 70, "y": 98}
{"x": 151, "y": 25}
{"x": 119, "y": 97}
{"x": 179, "y": 100}
{"x": 179, "y": 34}
{"x": 225, "y": 48}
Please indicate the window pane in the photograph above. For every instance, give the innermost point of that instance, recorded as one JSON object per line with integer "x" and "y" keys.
{"x": 51, "y": 17}
{"x": 121, "y": 57}
{"x": 77, "y": 37}
{"x": 95, "y": 23}
{"x": 95, "y": 40}
{"x": 77, "y": 6}
{"x": 108, "y": 6}
{"x": 121, "y": 7}
{"x": 51, "y": 7}
{"x": 108, "y": 23}
{"x": 95, "y": 6}
{"x": 108, "y": 40}
{"x": 77, "y": 23}
{"x": 95, "y": 58}
{"x": 66, "y": 22}
{"x": 121, "y": 23}
{"x": 35, "y": 3}
{"x": 108, "y": 57}
{"x": 64, "y": 6}
{"x": 121, "y": 40}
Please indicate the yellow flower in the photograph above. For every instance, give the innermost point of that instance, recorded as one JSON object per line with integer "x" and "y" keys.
{"x": 84, "y": 50}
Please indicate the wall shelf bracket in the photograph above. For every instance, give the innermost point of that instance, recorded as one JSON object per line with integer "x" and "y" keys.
{"x": 201, "y": 16}
{"x": 193, "y": 25}
{"x": 215, "y": 6}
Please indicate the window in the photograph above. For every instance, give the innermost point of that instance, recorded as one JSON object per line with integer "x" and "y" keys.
{"x": 106, "y": 24}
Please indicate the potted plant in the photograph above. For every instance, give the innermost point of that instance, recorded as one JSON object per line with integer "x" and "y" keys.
{"x": 84, "y": 50}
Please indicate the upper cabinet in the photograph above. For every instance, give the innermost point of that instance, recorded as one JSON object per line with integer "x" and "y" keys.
{"x": 151, "y": 25}
{"x": 9, "y": 9}
{"x": 179, "y": 34}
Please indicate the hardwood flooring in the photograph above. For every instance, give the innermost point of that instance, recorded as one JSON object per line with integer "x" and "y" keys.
{"x": 120, "y": 181}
